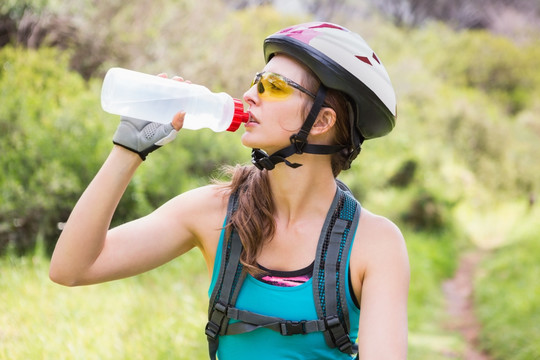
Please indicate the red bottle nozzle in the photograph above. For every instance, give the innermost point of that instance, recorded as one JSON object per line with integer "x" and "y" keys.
{"x": 239, "y": 116}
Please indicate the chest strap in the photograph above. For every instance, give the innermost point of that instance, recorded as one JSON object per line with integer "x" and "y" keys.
{"x": 328, "y": 284}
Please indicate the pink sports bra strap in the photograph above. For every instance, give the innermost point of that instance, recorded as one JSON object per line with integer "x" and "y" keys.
{"x": 286, "y": 278}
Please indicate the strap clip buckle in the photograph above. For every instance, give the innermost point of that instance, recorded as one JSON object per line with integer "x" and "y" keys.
{"x": 344, "y": 344}
{"x": 299, "y": 142}
{"x": 293, "y": 327}
{"x": 261, "y": 160}
{"x": 213, "y": 326}
{"x": 220, "y": 307}
{"x": 212, "y": 330}
{"x": 332, "y": 322}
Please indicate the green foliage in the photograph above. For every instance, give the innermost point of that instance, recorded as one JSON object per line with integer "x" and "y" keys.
{"x": 506, "y": 71}
{"x": 507, "y": 296}
{"x": 50, "y": 140}
{"x": 16, "y": 8}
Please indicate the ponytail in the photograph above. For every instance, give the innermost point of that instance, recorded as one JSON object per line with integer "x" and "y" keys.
{"x": 254, "y": 218}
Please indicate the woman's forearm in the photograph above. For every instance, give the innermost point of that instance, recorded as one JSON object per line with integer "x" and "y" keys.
{"x": 84, "y": 234}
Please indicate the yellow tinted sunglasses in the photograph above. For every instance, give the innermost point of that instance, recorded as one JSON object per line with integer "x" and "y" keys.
{"x": 276, "y": 87}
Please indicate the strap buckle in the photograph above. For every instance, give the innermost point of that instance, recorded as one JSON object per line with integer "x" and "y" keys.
{"x": 299, "y": 141}
{"x": 293, "y": 327}
{"x": 334, "y": 327}
{"x": 213, "y": 326}
{"x": 332, "y": 322}
{"x": 344, "y": 344}
{"x": 221, "y": 308}
{"x": 261, "y": 160}
{"x": 212, "y": 330}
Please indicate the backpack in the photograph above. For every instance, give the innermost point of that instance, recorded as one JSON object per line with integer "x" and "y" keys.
{"x": 328, "y": 284}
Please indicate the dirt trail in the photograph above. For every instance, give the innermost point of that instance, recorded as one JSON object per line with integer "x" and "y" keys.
{"x": 459, "y": 297}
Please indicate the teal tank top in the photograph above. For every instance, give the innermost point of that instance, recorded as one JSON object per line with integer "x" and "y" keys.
{"x": 292, "y": 303}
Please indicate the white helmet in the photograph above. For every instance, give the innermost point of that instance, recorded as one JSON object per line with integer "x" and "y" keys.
{"x": 342, "y": 60}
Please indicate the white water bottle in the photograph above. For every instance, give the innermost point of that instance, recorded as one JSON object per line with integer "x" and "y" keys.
{"x": 153, "y": 98}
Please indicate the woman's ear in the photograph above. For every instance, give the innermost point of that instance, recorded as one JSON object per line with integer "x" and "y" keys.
{"x": 325, "y": 121}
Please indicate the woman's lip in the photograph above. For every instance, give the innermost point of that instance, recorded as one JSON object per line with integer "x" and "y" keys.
{"x": 250, "y": 124}
{"x": 252, "y": 119}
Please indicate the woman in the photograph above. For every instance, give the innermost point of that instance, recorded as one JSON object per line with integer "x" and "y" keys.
{"x": 322, "y": 92}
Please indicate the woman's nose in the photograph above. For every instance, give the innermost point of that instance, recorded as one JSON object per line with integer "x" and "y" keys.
{"x": 251, "y": 96}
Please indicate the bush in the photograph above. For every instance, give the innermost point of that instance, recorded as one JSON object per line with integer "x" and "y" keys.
{"x": 51, "y": 141}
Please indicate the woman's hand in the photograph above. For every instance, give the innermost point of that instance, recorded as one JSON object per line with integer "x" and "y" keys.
{"x": 143, "y": 137}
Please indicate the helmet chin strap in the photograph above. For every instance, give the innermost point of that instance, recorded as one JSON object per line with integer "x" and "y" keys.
{"x": 299, "y": 144}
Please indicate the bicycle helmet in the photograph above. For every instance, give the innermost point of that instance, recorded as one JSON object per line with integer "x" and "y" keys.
{"x": 343, "y": 61}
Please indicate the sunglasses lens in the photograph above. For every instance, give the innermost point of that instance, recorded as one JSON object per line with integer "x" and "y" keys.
{"x": 272, "y": 86}
{"x": 276, "y": 86}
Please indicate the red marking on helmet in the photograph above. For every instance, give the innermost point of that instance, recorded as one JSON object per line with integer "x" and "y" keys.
{"x": 364, "y": 59}
{"x": 287, "y": 29}
{"x": 327, "y": 25}
{"x": 304, "y": 35}
{"x": 376, "y": 58}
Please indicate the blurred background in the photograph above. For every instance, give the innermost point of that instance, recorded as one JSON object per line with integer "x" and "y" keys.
{"x": 459, "y": 174}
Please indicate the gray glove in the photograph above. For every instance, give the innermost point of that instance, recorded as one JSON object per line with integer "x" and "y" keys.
{"x": 143, "y": 137}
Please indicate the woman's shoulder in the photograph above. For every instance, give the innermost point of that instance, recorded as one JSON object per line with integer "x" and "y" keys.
{"x": 379, "y": 226}
{"x": 378, "y": 252}
{"x": 205, "y": 200}
{"x": 378, "y": 238}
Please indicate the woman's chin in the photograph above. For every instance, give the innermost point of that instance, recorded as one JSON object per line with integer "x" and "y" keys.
{"x": 263, "y": 142}
{"x": 250, "y": 141}
{"x": 245, "y": 140}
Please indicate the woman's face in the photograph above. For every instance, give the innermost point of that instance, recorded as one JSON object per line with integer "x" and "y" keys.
{"x": 273, "y": 120}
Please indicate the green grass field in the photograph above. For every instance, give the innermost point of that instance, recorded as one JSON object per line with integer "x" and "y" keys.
{"x": 157, "y": 315}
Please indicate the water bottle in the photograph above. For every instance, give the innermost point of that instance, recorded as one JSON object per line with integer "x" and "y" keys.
{"x": 153, "y": 98}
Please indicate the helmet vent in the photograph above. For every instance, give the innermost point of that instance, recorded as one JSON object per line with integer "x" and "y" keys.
{"x": 364, "y": 59}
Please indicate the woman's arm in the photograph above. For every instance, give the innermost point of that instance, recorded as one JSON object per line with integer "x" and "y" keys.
{"x": 385, "y": 284}
{"x": 84, "y": 234}
{"x": 86, "y": 251}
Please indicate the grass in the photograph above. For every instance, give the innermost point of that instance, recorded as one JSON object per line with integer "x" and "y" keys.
{"x": 157, "y": 315}
{"x": 507, "y": 296}
{"x": 161, "y": 314}
{"x": 433, "y": 259}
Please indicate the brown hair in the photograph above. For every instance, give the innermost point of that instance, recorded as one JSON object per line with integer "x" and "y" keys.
{"x": 254, "y": 218}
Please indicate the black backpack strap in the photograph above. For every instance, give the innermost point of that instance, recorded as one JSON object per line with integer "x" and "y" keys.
{"x": 330, "y": 269}
{"x": 248, "y": 321}
{"x": 228, "y": 284}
